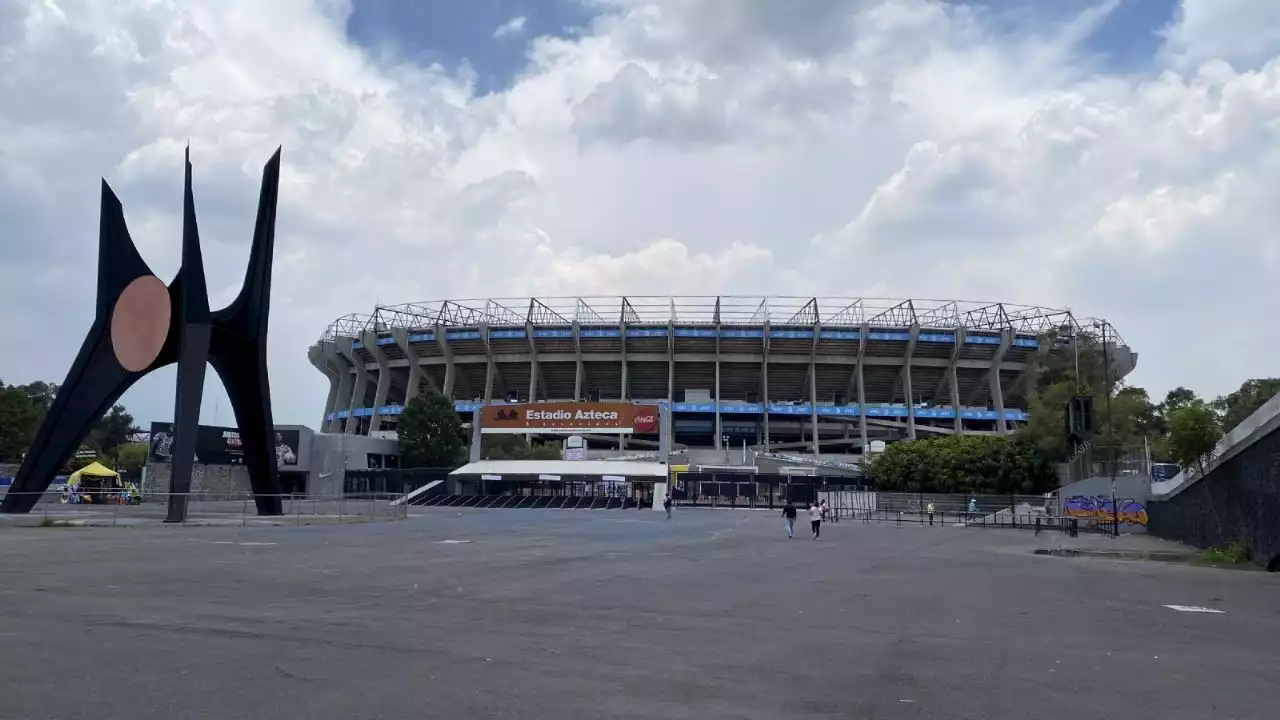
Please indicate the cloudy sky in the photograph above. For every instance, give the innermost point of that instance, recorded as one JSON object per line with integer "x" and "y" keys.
{"x": 1117, "y": 157}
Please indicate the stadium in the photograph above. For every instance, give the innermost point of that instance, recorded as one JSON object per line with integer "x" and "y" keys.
{"x": 821, "y": 376}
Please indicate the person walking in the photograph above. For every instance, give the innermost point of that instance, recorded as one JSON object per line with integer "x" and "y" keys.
{"x": 666, "y": 505}
{"x": 815, "y": 519}
{"x": 789, "y": 512}
{"x": 929, "y": 509}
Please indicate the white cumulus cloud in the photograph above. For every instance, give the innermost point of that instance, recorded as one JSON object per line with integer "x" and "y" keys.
{"x": 514, "y": 26}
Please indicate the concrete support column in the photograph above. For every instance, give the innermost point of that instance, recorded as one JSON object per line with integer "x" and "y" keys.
{"x": 997, "y": 393}
{"x": 370, "y": 341}
{"x": 533, "y": 364}
{"x": 719, "y": 443}
{"x": 813, "y": 387}
{"x": 449, "y": 369}
{"x": 415, "y": 365}
{"x": 359, "y": 388}
{"x": 624, "y": 391}
{"x": 489, "y": 372}
{"x": 862, "y": 393}
{"x": 335, "y": 381}
{"x": 579, "y": 371}
{"x": 958, "y": 335}
{"x": 322, "y": 363}
{"x": 626, "y": 381}
{"x": 813, "y": 406}
{"x": 955, "y": 399}
{"x": 764, "y": 384}
{"x": 906, "y": 382}
{"x": 671, "y": 363}
{"x": 346, "y": 380}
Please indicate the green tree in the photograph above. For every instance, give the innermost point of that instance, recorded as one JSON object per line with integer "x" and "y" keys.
{"x": 19, "y": 420}
{"x": 970, "y": 464}
{"x": 431, "y": 434}
{"x": 1128, "y": 420}
{"x": 1242, "y": 403}
{"x": 112, "y": 431}
{"x": 130, "y": 457}
{"x": 1194, "y": 432}
{"x": 514, "y": 447}
{"x": 41, "y": 394}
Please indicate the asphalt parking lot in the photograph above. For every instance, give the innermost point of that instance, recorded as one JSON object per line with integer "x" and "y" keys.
{"x": 593, "y": 614}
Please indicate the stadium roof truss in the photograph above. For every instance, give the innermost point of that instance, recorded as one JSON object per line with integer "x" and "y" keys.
{"x": 716, "y": 310}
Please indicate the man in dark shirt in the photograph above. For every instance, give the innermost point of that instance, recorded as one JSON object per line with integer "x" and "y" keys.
{"x": 789, "y": 512}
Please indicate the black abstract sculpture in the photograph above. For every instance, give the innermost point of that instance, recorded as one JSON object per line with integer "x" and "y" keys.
{"x": 142, "y": 325}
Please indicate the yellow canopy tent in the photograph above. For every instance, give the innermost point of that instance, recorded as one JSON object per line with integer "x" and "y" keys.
{"x": 93, "y": 470}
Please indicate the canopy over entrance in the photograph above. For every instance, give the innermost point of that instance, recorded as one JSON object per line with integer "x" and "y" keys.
{"x": 92, "y": 470}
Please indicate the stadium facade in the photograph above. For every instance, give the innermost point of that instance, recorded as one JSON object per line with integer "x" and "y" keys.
{"x": 824, "y": 375}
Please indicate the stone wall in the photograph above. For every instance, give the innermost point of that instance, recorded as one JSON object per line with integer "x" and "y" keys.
{"x": 212, "y": 480}
{"x": 1238, "y": 500}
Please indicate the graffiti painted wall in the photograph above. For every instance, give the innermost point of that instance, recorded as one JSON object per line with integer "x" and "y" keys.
{"x": 1090, "y": 501}
{"x": 1097, "y": 510}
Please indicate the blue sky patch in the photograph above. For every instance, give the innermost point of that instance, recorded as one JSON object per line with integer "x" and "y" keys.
{"x": 488, "y": 35}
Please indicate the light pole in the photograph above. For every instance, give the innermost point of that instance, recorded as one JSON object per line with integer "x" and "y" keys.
{"x": 1111, "y": 465}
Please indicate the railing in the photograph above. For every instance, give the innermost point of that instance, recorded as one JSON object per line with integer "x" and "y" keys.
{"x": 53, "y": 507}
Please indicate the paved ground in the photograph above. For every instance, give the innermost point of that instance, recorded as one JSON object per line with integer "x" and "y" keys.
{"x": 582, "y": 614}
{"x": 208, "y": 512}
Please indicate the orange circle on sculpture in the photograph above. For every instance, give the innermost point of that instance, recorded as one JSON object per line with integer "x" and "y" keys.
{"x": 140, "y": 323}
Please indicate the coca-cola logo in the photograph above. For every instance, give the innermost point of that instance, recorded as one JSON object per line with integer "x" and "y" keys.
{"x": 646, "y": 423}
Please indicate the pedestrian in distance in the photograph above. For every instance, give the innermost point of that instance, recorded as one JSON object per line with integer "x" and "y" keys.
{"x": 789, "y": 512}
{"x": 929, "y": 509}
{"x": 666, "y": 505}
{"x": 815, "y": 519}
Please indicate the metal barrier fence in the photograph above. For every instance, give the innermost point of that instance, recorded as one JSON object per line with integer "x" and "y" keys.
{"x": 941, "y": 518}
{"x": 755, "y": 490}
{"x": 1030, "y": 512}
{"x": 56, "y": 508}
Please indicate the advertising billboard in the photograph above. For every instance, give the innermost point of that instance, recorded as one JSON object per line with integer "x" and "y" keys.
{"x": 219, "y": 445}
{"x": 570, "y": 418}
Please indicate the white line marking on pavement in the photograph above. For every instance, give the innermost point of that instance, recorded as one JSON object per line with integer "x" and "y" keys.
{"x": 452, "y": 542}
{"x": 1195, "y": 609}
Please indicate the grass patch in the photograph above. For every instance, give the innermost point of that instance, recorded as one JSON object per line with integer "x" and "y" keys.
{"x": 50, "y": 522}
{"x": 1235, "y": 553}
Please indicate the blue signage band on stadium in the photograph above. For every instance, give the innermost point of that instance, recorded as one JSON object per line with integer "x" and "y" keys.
{"x": 873, "y": 411}
{"x": 553, "y": 332}
{"x": 981, "y": 339}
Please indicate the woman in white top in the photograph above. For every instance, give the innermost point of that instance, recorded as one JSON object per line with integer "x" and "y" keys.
{"x": 815, "y": 519}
